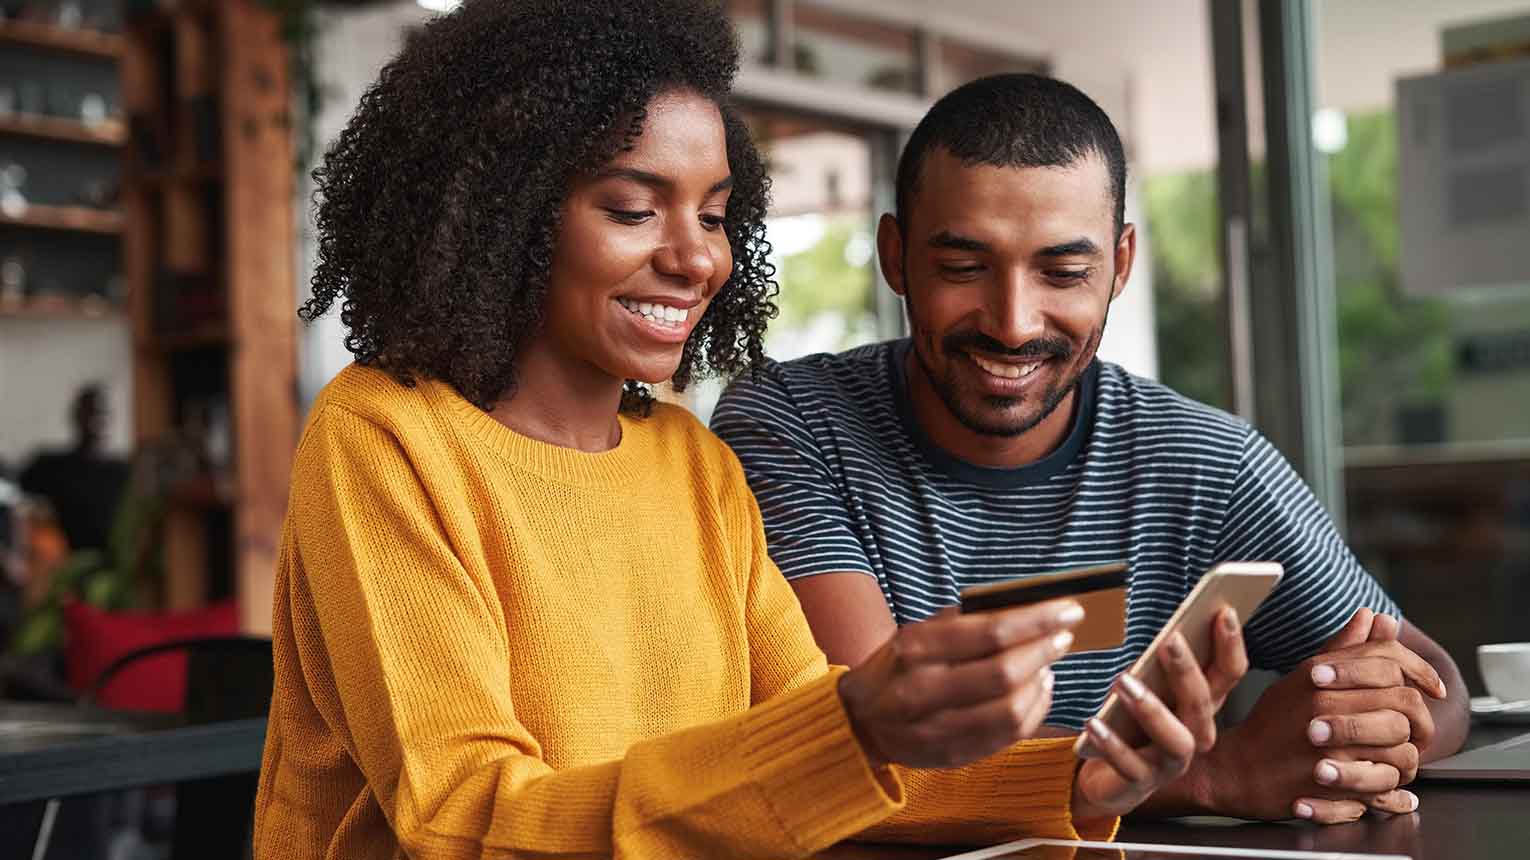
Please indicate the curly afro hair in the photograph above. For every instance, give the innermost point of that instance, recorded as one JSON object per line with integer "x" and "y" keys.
{"x": 438, "y": 205}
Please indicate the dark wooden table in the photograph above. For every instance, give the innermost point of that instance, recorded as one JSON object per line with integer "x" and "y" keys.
{"x": 55, "y": 751}
{"x": 1455, "y": 821}
{"x": 51, "y": 750}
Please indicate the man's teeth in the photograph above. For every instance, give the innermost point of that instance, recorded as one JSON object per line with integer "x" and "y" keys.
{"x": 661, "y": 314}
{"x": 1007, "y": 371}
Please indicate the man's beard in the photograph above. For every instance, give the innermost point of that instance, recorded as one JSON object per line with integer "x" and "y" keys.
{"x": 948, "y": 386}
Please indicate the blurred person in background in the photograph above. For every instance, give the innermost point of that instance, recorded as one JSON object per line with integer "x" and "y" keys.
{"x": 82, "y": 485}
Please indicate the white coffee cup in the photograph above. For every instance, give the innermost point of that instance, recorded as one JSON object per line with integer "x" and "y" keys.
{"x": 1506, "y": 670}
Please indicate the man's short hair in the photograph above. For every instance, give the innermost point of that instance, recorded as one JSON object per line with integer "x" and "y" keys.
{"x": 1014, "y": 120}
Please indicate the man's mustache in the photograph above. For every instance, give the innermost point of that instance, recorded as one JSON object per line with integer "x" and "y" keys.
{"x": 1041, "y": 347}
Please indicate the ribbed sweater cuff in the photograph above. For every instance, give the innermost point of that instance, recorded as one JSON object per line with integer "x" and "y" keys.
{"x": 800, "y": 749}
{"x": 1050, "y": 766}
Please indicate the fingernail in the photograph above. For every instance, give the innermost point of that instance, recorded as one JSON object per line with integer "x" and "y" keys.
{"x": 1412, "y": 800}
{"x": 1048, "y": 680}
{"x": 1070, "y": 614}
{"x": 1134, "y": 687}
{"x": 1061, "y": 641}
{"x": 1230, "y": 620}
{"x": 1098, "y": 729}
{"x": 1319, "y": 732}
{"x": 1177, "y": 647}
{"x": 1323, "y": 674}
{"x": 1327, "y": 773}
{"x": 1303, "y": 810}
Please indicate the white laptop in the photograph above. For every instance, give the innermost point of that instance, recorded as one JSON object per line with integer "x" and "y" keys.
{"x": 1505, "y": 761}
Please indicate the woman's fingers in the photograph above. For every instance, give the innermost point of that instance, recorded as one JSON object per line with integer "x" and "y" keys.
{"x": 961, "y": 638}
{"x": 1229, "y": 661}
{"x": 1191, "y": 691}
{"x": 1175, "y": 743}
{"x": 1109, "y": 746}
{"x": 931, "y": 687}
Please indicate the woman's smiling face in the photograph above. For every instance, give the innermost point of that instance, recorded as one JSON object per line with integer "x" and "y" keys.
{"x": 641, "y": 250}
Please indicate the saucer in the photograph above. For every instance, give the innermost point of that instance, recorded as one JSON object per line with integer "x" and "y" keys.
{"x": 1488, "y": 709}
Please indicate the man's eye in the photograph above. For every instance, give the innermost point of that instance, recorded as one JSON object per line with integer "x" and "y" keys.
{"x": 629, "y": 216}
{"x": 1070, "y": 276}
{"x": 960, "y": 271}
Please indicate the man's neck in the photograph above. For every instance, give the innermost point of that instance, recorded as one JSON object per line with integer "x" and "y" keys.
{"x": 982, "y": 449}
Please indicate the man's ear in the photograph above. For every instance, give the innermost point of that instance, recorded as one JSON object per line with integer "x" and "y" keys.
{"x": 890, "y": 252}
{"x": 1126, "y": 252}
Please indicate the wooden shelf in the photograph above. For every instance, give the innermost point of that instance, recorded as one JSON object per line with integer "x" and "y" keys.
{"x": 34, "y": 34}
{"x": 108, "y": 133}
{"x": 60, "y": 308}
{"x": 78, "y": 219}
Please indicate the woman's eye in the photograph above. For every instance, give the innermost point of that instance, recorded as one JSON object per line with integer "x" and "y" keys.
{"x": 712, "y": 222}
{"x": 629, "y": 216}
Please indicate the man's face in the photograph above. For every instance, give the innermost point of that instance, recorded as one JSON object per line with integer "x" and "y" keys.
{"x": 1007, "y": 274}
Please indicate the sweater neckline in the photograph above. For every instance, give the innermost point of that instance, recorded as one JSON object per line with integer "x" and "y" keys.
{"x": 617, "y": 466}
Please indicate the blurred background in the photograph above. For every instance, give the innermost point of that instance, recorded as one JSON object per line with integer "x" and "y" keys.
{"x": 1334, "y": 200}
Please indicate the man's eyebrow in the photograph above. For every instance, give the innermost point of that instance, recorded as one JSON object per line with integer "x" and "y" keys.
{"x": 1075, "y": 248}
{"x": 947, "y": 239}
{"x": 654, "y": 180}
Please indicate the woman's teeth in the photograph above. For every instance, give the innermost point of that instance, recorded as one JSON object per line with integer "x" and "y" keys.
{"x": 661, "y": 314}
{"x": 1006, "y": 371}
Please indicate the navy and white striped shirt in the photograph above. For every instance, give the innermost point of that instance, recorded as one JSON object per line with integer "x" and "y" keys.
{"x": 847, "y": 481}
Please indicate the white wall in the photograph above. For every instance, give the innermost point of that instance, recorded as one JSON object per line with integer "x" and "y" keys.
{"x": 42, "y": 364}
{"x": 353, "y": 46}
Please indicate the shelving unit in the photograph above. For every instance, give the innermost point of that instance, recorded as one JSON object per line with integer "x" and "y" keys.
{"x": 47, "y": 37}
{"x": 75, "y": 219}
{"x": 58, "y": 129}
{"x": 207, "y": 206}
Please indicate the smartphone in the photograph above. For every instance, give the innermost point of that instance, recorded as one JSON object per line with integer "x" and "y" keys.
{"x": 1241, "y": 585}
{"x": 1100, "y": 590}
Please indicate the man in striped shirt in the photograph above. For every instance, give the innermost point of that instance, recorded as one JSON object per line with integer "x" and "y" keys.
{"x": 993, "y": 444}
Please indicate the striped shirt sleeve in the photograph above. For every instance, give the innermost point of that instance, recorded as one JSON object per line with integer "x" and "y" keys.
{"x": 808, "y": 525}
{"x": 1273, "y": 516}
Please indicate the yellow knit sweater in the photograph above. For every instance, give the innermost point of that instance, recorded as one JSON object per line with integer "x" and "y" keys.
{"x": 487, "y": 646}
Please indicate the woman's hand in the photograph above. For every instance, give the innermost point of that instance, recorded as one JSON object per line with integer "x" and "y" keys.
{"x": 958, "y": 688}
{"x": 1122, "y": 777}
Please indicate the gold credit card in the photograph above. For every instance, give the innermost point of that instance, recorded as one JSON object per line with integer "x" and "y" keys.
{"x": 1100, "y": 590}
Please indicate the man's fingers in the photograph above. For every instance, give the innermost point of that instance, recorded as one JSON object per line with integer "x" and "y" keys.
{"x": 980, "y": 634}
{"x": 1398, "y": 802}
{"x": 1363, "y": 673}
{"x": 1358, "y": 777}
{"x": 1354, "y": 632}
{"x": 1402, "y": 757}
{"x": 1370, "y": 729}
{"x": 1229, "y": 661}
{"x": 1384, "y": 628}
{"x": 1192, "y": 695}
{"x": 1327, "y": 811}
{"x": 1414, "y": 668}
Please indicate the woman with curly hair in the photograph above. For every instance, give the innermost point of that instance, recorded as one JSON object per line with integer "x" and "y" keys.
{"x": 521, "y": 609}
